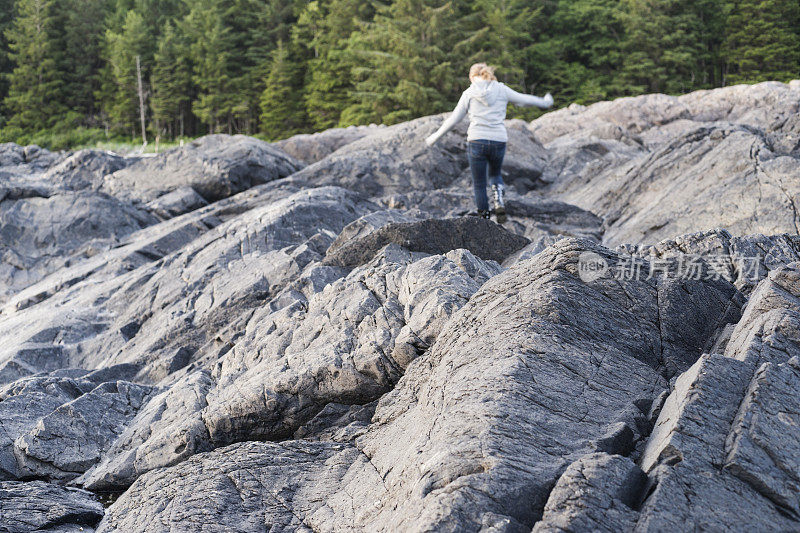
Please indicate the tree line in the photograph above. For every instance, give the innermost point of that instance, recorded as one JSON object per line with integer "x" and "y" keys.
{"x": 278, "y": 67}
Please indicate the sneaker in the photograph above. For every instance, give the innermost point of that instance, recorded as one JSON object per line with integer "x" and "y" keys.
{"x": 498, "y": 195}
{"x": 480, "y": 213}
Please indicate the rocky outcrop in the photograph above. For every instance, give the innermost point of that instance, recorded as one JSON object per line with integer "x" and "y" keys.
{"x": 58, "y": 425}
{"x": 349, "y": 343}
{"x": 473, "y": 421}
{"x": 657, "y": 166}
{"x": 160, "y": 314}
{"x": 215, "y": 166}
{"x": 220, "y": 337}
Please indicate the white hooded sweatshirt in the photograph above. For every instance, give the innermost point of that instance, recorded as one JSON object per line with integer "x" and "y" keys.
{"x": 485, "y": 101}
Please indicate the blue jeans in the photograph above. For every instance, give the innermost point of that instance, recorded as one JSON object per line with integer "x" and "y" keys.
{"x": 485, "y": 155}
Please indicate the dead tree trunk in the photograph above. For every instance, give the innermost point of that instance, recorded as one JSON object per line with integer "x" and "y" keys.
{"x": 141, "y": 99}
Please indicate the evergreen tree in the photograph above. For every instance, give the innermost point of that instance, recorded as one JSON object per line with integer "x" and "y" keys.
{"x": 123, "y": 48}
{"x": 410, "y": 61}
{"x": 762, "y": 40}
{"x": 505, "y": 33}
{"x": 588, "y": 38}
{"x": 80, "y": 52}
{"x": 669, "y": 45}
{"x": 210, "y": 48}
{"x": 6, "y": 17}
{"x": 282, "y": 113}
{"x": 172, "y": 84}
{"x": 324, "y": 28}
{"x": 35, "y": 93}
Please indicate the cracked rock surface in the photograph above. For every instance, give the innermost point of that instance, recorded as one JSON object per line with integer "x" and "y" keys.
{"x": 311, "y": 335}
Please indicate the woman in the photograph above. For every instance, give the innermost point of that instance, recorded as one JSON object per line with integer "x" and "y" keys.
{"x": 485, "y": 101}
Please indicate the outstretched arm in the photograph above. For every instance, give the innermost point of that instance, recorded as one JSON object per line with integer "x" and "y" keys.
{"x": 455, "y": 117}
{"x": 528, "y": 100}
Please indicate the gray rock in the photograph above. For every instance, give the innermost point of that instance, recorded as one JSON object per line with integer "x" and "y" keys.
{"x": 26, "y": 159}
{"x": 338, "y": 422}
{"x": 310, "y": 148}
{"x": 165, "y": 431}
{"x": 216, "y": 166}
{"x": 744, "y": 261}
{"x": 369, "y": 223}
{"x": 74, "y": 437}
{"x": 763, "y": 446}
{"x": 489, "y": 417}
{"x": 391, "y": 160}
{"x": 533, "y": 217}
{"x": 482, "y": 237}
{"x": 525, "y": 161}
{"x": 248, "y": 487}
{"x": 40, "y": 506}
{"x": 512, "y": 393}
{"x": 658, "y": 166}
{"x": 598, "y": 492}
{"x": 41, "y": 234}
{"x": 85, "y": 169}
{"x": 347, "y": 344}
{"x": 56, "y": 427}
{"x": 768, "y": 330}
{"x": 395, "y": 159}
{"x": 159, "y": 314}
{"x": 177, "y": 202}
{"x": 687, "y": 450}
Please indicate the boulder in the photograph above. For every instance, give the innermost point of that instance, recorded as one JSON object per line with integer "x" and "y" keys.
{"x": 56, "y": 426}
{"x": 531, "y": 216}
{"x": 391, "y": 160}
{"x": 697, "y": 434}
{"x": 42, "y": 234}
{"x": 656, "y": 166}
{"x": 247, "y": 487}
{"x": 26, "y": 159}
{"x": 744, "y": 261}
{"x": 483, "y": 238}
{"x": 598, "y": 492}
{"x": 40, "y": 506}
{"x": 181, "y": 200}
{"x": 216, "y": 166}
{"x": 310, "y": 148}
{"x": 85, "y": 169}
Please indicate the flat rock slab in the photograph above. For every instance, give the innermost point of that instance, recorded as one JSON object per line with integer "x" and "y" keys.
{"x": 483, "y": 238}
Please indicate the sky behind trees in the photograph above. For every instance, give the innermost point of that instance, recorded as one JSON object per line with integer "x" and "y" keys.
{"x": 276, "y": 67}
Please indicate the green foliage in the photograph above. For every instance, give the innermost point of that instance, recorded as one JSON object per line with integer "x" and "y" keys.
{"x": 282, "y": 111}
{"x": 278, "y": 67}
{"x": 6, "y": 66}
{"x": 670, "y": 44}
{"x": 763, "y": 40}
{"x": 172, "y": 83}
{"x": 35, "y": 98}
{"x": 323, "y": 29}
{"x": 123, "y": 48}
{"x": 60, "y": 137}
{"x": 409, "y": 61}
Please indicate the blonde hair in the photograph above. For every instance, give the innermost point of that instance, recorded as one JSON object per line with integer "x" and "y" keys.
{"x": 482, "y": 70}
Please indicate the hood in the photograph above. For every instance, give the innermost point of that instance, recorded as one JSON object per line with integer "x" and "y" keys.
{"x": 484, "y": 91}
